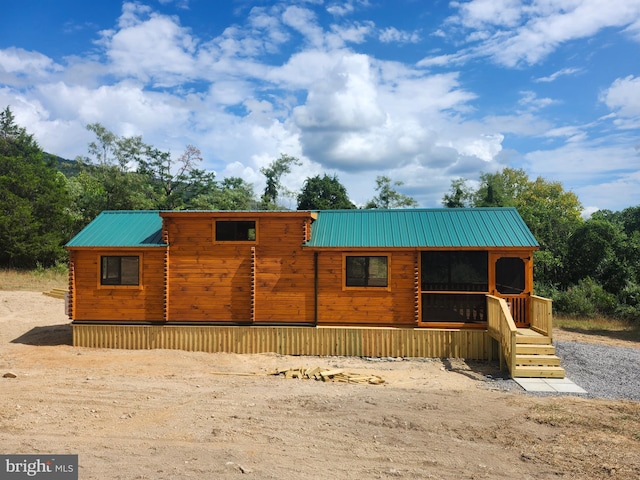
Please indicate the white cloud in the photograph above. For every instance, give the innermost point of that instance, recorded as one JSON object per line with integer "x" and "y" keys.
{"x": 343, "y": 8}
{"x": 353, "y": 33}
{"x": 304, "y": 21}
{"x": 16, "y": 64}
{"x": 345, "y": 98}
{"x": 447, "y": 59}
{"x": 532, "y": 102}
{"x": 570, "y": 133}
{"x": 623, "y": 96}
{"x": 582, "y": 162}
{"x": 517, "y": 33}
{"x": 393, "y": 35}
{"x": 480, "y": 13}
{"x": 607, "y": 194}
{"x": 340, "y": 10}
{"x": 149, "y": 46}
{"x": 560, "y": 73}
{"x": 258, "y": 90}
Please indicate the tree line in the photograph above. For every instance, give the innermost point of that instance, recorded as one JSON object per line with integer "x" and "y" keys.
{"x": 589, "y": 267}
{"x": 46, "y": 200}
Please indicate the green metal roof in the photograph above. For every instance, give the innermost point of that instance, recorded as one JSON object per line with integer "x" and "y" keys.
{"x": 114, "y": 228}
{"x": 406, "y": 228}
{"x": 442, "y": 227}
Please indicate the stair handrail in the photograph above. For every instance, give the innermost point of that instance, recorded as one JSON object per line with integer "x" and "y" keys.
{"x": 542, "y": 316}
{"x": 500, "y": 325}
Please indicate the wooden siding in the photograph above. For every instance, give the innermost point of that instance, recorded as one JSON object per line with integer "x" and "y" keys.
{"x": 206, "y": 281}
{"x": 343, "y": 341}
{"x": 284, "y": 273}
{"x": 270, "y": 280}
{"x": 92, "y": 301}
{"x": 367, "y": 306}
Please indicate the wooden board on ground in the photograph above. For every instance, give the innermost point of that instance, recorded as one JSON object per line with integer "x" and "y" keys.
{"x": 327, "y": 375}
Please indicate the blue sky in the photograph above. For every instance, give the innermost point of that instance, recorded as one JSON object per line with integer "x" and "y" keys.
{"x": 423, "y": 92}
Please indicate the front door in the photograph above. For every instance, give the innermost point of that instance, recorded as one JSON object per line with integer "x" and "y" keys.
{"x": 512, "y": 274}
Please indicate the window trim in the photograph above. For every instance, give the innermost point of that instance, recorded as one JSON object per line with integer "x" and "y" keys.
{"x": 371, "y": 288}
{"x": 235, "y": 242}
{"x": 140, "y": 284}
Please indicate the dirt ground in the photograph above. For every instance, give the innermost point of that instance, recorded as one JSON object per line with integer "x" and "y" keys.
{"x": 162, "y": 414}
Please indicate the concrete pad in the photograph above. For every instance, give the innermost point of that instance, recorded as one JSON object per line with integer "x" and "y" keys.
{"x": 534, "y": 386}
{"x": 551, "y": 385}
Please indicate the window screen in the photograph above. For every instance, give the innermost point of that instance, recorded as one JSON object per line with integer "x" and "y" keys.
{"x": 117, "y": 270}
{"x": 462, "y": 271}
{"x": 367, "y": 271}
{"x": 510, "y": 275}
{"x": 235, "y": 231}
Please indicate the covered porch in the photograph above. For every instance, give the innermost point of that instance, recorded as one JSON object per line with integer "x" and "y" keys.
{"x": 525, "y": 352}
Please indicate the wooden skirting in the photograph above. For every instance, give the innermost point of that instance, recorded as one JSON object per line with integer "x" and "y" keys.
{"x": 332, "y": 341}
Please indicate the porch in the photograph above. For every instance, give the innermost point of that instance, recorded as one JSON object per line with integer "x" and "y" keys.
{"x": 525, "y": 352}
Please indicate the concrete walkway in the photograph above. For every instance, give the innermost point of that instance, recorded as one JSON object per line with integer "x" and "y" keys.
{"x": 551, "y": 385}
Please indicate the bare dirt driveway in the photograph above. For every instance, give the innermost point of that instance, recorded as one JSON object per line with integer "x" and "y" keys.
{"x": 162, "y": 414}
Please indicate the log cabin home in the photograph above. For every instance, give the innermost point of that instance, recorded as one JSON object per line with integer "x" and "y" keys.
{"x": 401, "y": 283}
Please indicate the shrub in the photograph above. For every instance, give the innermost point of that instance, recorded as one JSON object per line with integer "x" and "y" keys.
{"x": 586, "y": 299}
{"x": 629, "y": 303}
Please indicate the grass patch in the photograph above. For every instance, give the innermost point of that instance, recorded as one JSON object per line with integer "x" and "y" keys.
{"x": 620, "y": 418}
{"x": 602, "y": 326}
{"x": 38, "y": 280}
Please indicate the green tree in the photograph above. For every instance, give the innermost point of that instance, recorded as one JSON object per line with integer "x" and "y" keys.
{"x": 597, "y": 249}
{"x": 273, "y": 176}
{"x": 110, "y": 149}
{"x": 388, "y": 196}
{"x": 109, "y": 166}
{"x": 551, "y": 213}
{"x": 88, "y": 199}
{"x": 33, "y": 200}
{"x": 233, "y": 193}
{"x": 323, "y": 193}
{"x": 501, "y": 189}
{"x": 630, "y": 218}
{"x": 175, "y": 184}
{"x": 461, "y": 195}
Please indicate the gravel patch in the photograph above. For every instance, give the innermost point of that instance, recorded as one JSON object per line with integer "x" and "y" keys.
{"x": 603, "y": 371}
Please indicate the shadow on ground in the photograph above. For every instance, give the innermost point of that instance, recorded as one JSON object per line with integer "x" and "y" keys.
{"x": 475, "y": 369}
{"x": 48, "y": 336}
{"x": 632, "y": 334}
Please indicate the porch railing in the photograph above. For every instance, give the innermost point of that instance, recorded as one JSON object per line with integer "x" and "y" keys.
{"x": 501, "y": 327}
{"x": 541, "y": 316}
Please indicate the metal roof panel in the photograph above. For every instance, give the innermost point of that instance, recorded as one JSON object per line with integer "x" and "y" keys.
{"x": 116, "y": 228}
{"x": 442, "y": 227}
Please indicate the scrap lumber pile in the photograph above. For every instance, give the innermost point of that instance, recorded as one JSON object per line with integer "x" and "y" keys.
{"x": 327, "y": 375}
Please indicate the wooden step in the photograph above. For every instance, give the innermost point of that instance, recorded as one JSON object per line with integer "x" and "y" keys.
{"x": 544, "y": 360}
{"x": 536, "y": 371}
{"x": 534, "y": 349}
{"x": 531, "y": 339}
{"x": 56, "y": 293}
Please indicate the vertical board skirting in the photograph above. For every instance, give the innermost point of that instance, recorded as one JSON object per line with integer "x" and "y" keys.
{"x": 331, "y": 341}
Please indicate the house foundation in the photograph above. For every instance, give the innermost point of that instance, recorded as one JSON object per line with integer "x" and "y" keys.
{"x": 287, "y": 340}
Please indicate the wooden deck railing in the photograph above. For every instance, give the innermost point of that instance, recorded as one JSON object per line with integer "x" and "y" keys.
{"x": 501, "y": 327}
{"x": 541, "y": 316}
